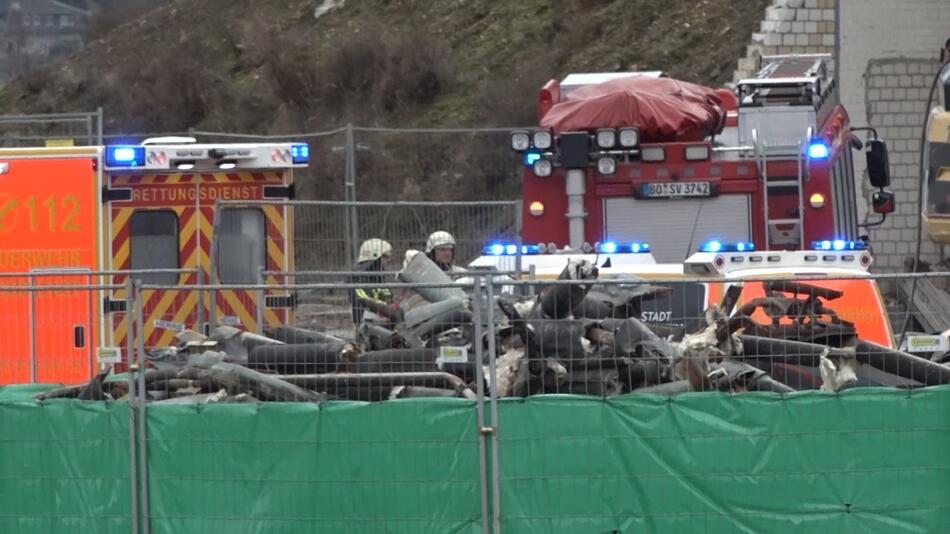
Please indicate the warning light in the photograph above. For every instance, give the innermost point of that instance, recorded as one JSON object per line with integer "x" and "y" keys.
{"x": 818, "y": 150}
{"x": 125, "y": 156}
{"x": 300, "y": 153}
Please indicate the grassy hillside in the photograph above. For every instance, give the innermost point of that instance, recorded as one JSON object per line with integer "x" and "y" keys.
{"x": 268, "y": 66}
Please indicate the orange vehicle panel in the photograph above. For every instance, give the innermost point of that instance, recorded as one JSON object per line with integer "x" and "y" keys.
{"x": 861, "y": 304}
{"x": 48, "y": 222}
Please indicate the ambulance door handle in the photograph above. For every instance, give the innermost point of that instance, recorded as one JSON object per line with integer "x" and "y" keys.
{"x": 79, "y": 336}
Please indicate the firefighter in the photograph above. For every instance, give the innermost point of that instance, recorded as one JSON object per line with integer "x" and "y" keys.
{"x": 375, "y": 256}
{"x": 440, "y": 247}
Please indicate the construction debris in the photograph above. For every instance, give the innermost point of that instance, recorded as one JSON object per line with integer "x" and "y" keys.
{"x": 580, "y": 334}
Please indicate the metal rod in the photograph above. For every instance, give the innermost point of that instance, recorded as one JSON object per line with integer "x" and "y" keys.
{"x": 32, "y": 330}
{"x": 90, "y": 324}
{"x": 130, "y": 350}
{"x": 99, "y": 116}
{"x": 143, "y": 435}
{"x": 480, "y": 403}
{"x": 259, "y": 308}
{"x": 212, "y": 270}
{"x": 493, "y": 399}
{"x": 366, "y": 203}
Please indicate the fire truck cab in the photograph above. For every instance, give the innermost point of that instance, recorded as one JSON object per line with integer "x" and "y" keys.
{"x": 776, "y": 171}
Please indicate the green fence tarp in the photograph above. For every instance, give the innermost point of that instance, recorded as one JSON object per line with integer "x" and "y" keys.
{"x": 64, "y": 465}
{"x": 867, "y": 460}
{"x": 409, "y": 466}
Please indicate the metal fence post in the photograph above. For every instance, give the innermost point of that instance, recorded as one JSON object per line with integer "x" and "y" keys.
{"x": 143, "y": 436}
{"x": 493, "y": 401}
{"x": 480, "y": 401}
{"x": 259, "y": 309}
{"x": 131, "y": 404}
{"x": 99, "y": 115}
{"x": 349, "y": 177}
{"x": 32, "y": 289}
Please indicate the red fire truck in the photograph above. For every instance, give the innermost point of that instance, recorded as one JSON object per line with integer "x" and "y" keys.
{"x": 636, "y": 157}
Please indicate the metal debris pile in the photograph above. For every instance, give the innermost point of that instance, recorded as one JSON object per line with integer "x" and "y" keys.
{"x": 582, "y": 334}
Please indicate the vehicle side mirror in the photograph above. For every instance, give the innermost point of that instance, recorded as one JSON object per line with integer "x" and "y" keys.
{"x": 879, "y": 171}
{"x": 882, "y": 202}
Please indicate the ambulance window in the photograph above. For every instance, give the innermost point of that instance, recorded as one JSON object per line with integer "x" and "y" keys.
{"x": 241, "y": 247}
{"x": 153, "y": 243}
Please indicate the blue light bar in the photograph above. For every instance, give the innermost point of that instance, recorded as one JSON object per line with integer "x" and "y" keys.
{"x": 510, "y": 249}
{"x": 530, "y": 157}
{"x": 125, "y": 156}
{"x": 300, "y": 153}
{"x": 611, "y": 247}
{"x": 719, "y": 246}
{"x": 818, "y": 150}
{"x": 838, "y": 244}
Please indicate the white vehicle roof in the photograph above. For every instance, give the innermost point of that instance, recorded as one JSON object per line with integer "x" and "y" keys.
{"x": 722, "y": 265}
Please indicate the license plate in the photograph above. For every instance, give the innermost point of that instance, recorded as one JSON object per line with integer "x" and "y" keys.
{"x": 676, "y": 189}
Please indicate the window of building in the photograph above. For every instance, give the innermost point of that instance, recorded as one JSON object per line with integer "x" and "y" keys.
{"x": 241, "y": 245}
{"x": 153, "y": 243}
{"x": 67, "y": 20}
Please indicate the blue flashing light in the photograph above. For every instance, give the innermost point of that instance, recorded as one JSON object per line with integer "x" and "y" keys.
{"x": 838, "y": 245}
{"x": 818, "y": 150}
{"x": 530, "y": 157}
{"x": 719, "y": 246}
{"x": 609, "y": 247}
{"x": 125, "y": 156}
{"x": 637, "y": 248}
{"x": 510, "y": 249}
{"x": 300, "y": 153}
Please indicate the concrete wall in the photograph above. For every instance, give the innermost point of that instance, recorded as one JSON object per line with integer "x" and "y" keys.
{"x": 886, "y": 55}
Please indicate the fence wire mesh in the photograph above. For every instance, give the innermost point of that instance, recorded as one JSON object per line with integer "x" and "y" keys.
{"x": 480, "y": 357}
{"x": 51, "y": 129}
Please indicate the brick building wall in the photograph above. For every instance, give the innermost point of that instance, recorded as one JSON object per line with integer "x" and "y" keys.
{"x": 886, "y": 55}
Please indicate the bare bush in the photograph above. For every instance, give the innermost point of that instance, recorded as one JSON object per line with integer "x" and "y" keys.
{"x": 110, "y": 14}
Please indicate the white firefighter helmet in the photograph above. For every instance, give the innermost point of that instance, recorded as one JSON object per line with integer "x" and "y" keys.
{"x": 373, "y": 249}
{"x": 439, "y": 239}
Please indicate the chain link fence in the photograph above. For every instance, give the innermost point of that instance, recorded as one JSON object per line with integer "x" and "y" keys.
{"x": 483, "y": 445}
{"x": 54, "y": 129}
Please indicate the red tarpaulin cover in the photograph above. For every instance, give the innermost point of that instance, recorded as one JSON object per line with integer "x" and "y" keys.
{"x": 662, "y": 108}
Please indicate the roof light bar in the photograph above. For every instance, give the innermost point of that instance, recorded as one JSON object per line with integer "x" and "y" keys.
{"x": 718, "y": 246}
{"x": 611, "y": 247}
{"x": 510, "y": 249}
{"x": 839, "y": 244}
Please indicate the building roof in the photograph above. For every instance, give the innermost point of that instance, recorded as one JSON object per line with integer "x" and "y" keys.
{"x": 41, "y": 7}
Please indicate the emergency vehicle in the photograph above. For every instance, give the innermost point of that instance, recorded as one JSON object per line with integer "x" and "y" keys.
{"x": 148, "y": 207}
{"x": 702, "y": 279}
{"x": 936, "y": 208}
{"x": 615, "y": 159}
